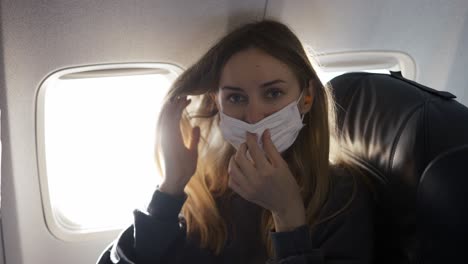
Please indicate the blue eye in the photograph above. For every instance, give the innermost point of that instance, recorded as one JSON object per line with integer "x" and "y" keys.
{"x": 274, "y": 93}
{"x": 236, "y": 98}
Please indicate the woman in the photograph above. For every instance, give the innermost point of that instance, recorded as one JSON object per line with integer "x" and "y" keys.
{"x": 247, "y": 173}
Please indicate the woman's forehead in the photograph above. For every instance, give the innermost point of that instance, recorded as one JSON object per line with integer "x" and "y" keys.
{"x": 253, "y": 67}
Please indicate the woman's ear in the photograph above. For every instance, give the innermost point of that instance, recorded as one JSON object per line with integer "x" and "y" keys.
{"x": 308, "y": 98}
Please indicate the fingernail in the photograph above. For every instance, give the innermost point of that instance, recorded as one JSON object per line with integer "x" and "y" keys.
{"x": 267, "y": 132}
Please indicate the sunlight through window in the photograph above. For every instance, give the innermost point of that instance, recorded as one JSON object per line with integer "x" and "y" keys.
{"x": 326, "y": 76}
{"x": 99, "y": 147}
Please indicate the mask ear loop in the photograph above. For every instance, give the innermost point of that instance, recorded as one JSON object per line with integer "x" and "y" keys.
{"x": 300, "y": 96}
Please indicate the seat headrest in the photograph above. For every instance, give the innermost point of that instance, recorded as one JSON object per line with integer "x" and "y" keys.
{"x": 393, "y": 128}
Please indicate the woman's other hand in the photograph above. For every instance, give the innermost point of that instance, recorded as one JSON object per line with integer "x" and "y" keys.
{"x": 180, "y": 161}
{"x": 265, "y": 179}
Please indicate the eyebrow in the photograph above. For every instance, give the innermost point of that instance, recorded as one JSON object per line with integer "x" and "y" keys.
{"x": 272, "y": 82}
{"x": 262, "y": 85}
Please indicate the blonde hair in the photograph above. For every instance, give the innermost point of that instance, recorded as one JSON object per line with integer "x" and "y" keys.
{"x": 308, "y": 157}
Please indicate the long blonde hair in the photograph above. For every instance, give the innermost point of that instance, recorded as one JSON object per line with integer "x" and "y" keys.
{"x": 308, "y": 157}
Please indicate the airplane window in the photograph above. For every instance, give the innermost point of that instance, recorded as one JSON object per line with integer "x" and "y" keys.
{"x": 97, "y": 144}
{"x": 326, "y": 76}
{"x": 330, "y": 65}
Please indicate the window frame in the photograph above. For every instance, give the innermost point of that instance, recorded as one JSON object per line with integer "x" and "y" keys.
{"x": 55, "y": 222}
{"x": 352, "y": 61}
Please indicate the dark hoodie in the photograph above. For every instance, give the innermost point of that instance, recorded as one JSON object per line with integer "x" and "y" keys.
{"x": 159, "y": 236}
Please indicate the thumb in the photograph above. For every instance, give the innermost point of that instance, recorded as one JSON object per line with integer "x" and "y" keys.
{"x": 270, "y": 150}
{"x": 194, "y": 139}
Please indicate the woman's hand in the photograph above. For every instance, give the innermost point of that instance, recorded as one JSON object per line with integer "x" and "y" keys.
{"x": 266, "y": 180}
{"x": 180, "y": 160}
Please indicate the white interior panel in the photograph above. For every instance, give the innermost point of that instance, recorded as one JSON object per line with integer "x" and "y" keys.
{"x": 433, "y": 32}
{"x": 40, "y": 37}
{"x": 1, "y": 233}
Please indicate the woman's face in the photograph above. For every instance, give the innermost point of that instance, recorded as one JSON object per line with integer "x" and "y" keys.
{"x": 254, "y": 85}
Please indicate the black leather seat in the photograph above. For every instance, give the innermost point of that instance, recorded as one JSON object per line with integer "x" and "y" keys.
{"x": 394, "y": 129}
{"x": 443, "y": 207}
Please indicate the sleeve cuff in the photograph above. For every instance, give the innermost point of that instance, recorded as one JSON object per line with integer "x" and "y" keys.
{"x": 166, "y": 206}
{"x": 291, "y": 243}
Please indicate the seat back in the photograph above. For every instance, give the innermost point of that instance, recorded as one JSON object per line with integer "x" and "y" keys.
{"x": 443, "y": 208}
{"x": 393, "y": 128}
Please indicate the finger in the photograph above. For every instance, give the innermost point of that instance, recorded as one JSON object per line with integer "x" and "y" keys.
{"x": 195, "y": 138}
{"x": 255, "y": 151}
{"x": 232, "y": 183}
{"x": 270, "y": 149}
{"x": 236, "y": 186}
{"x": 241, "y": 160}
{"x": 181, "y": 104}
{"x": 170, "y": 120}
{"x": 178, "y": 98}
{"x": 172, "y": 112}
{"x": 174, "y": 115}
{"x": 236, "y": 172}
{"x": 177, "y": 101}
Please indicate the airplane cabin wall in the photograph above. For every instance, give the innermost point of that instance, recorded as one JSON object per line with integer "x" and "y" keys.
{"x": 433, "y": 32}
{"x": 40, "y": 37}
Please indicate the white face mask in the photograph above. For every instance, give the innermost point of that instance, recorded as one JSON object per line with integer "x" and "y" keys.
{"x": 284, "y": 127}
